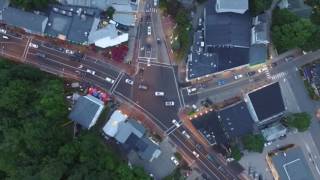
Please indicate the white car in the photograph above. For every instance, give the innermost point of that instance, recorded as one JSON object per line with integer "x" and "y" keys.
{"x": 238, "y": 76}
{"x": 186, "y": 134}
{"x": 149, "y": 30}
{"x": 159, "y": 93}
{"x": 191, "y": 90}
{"x": 262, "y": 70}
{"x": 174, "y": 160}
{"x": 129, "y": 81}
{"x": 5, "y": 37}
{"x": 68, "y": 51}
{"x": 3, "y": 31}
{"x": 195, "y": 154}
{"x": 109, "y": 80}
{"x": 175, "y": 122}
{"x": 91, "y": 71}
{"x": 155, "y": 2}
{"x": 33, "y": 45}
{"x": 169, "y": 103}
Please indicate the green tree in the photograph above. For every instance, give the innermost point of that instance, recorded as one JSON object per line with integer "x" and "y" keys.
{"x": 110, "y": 11}
{"x": 301, "y": 121}
{"x": 292, "y": 35}
{"x": 315, "y": 15}
{"x": 253, "y": 143}
{"x": 283, "y": 16}
{"x": 257, "y": 7}
{"x": 236, "y": 153}
{"x": 32, "y": 4}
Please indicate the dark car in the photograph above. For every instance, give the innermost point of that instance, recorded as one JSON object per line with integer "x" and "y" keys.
{"x": 122, "y": 27}
{"x": 42, "y": 55}
{"x": 251, "y": 73}
{"x": 221, "y": 82}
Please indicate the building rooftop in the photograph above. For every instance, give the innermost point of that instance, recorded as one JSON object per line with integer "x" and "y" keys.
{"x": 210, "y": 127}
{"x": 31, "y": 22}
{"x": 86, "y": 111}
{"x": 267, "y": 101}
{"x": 292, "y": 165}
{"x": 258, "y": 53}
{"x": 111, "y": 128}
{"x": 238, "y": 6}
{"x": 236, "y": 120}
{"x": 72, "y": 22}
{"x": 127, "y": 128}
{"x": 273, "y": 132}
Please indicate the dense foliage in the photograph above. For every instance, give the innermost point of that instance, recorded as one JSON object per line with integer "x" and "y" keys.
{"x": 257, "y": 7}
{"x": 289, "y": 31}
{"x": 301, "y": 121}
{"x": 31, "y": 4}
{"x": 181, "y": 15}
{"x": 35, "y": 144}
{"x": 236, "y": 153}
{"x": 253, "y": 143}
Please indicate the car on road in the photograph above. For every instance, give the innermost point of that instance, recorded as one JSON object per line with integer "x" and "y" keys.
{"x": 149, "y": 30}
{"x": 195, "y": 154}
{"x": 158, "y": 40}
{"x": 41, "y": 55}
{"x": 90, "y": 71}
{"x": 289, "y": 58}
{"x": 238, "y": 76}
{"x": 129, "y": 81}
{"x": 33, "y": 45}
{"x": 175, "y": 122}
{"x": 174, "y": 160}
{"x": 251, "y": 73}
{"x": 109, "y": 80}
{"x": 143, "y": 87}
{"x": 68, "y": 51}
{"x": 169, "y": 103}
{"x": 221, "y": 82}
{"x": 186, "y": 134}
{"x": 159, "y": 93}
{"x": 262, "y": 69}
{"x": 5, "y": 37}
{"x": 191, "y": 90}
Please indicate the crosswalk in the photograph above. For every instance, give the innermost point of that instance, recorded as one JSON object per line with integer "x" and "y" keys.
{"x": 279, "y": 76}
{"x": 154, "y": 10}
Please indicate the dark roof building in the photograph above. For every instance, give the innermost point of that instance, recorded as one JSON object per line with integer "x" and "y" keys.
{"x": 72, "y": 23}
{"x": 30, "y": 22}
{"x": 4, "y": 4}
{"x": 86, "y": 111}
{"x": 266, "y": 103}
{"x": 291, "y": 165}
{"x": 236, "y": 120}
{"x": 210, "y": 127}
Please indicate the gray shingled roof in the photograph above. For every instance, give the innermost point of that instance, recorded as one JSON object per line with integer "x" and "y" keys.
{"x": 86, "y": 110}
{"x": 293, "y": 165}
{"x": 128, "y": 128}
{"x": 258, "y": 54}
{"x": 31, "y": 22}
{"x": 267, "y": 101}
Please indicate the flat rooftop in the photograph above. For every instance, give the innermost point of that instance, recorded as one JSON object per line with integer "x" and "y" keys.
{"x": 292, "y": 165}
{"x": 210, "y": 127}
{"x": 267, "y": 101}
{"x": 236, "y": 120}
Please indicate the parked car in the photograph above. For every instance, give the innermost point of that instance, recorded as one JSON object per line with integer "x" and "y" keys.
{"x": 68, "y": 51}
{"x": 149, "y": 30}
{"x": 169, "y": 103}
{"x": 109, "y": 80}
{"x": 91, "y": 71}
{"x": 221, "y": 82}
{"x": 191, "y": 90}
{"x": 5, "y": 37}
{"x": 175, "y": 122}
{"x": 251, "y": 73}
{"x": 129, "y": 81}
{"x": 33, "y": 45}
{"x": 159, "y": 93}
{"x": 174, "y": 160}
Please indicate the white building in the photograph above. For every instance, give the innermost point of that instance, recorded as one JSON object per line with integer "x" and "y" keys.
{"x": 235, "y": 6}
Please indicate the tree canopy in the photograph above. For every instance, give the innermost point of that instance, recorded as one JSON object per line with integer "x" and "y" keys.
{"x": 32, "y": 4}
{"x": 33, "y": 142}
{"x": 257, "y": 7}
{"x": 253, "y": 143}
{"x": 301, "y": 121}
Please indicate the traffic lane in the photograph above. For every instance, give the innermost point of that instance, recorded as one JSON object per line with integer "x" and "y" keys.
{"x": 14, "y": 49}
{"x": 211, "y": 171}
{"x": 110, "y": 70}
{"x": 125, "y": 88}
{"x": 214, "y": 163}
